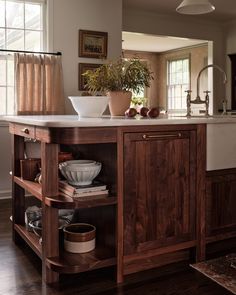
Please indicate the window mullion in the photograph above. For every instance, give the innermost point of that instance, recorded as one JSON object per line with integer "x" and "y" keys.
{"x": 5, "y": 45}
{"x": 24, "y": 24}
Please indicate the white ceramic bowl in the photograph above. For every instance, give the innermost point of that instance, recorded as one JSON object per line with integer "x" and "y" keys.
{"x": 89, "y": 106}
{"x": 79, "y": 174}
{"x": 83, "y": 163}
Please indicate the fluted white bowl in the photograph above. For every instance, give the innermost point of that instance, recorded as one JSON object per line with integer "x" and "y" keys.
{"x": 79, "y": 163}
{"x": 79, "y": 174}
{"x": 89, "y": 106}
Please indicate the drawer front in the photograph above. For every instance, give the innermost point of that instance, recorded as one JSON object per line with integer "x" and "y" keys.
{"x": 22, "y": 130}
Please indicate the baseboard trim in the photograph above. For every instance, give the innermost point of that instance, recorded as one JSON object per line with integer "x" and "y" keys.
{"x": 5, "y": 194}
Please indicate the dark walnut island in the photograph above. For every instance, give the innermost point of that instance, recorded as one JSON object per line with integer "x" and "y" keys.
{"x": 156, "y": 173}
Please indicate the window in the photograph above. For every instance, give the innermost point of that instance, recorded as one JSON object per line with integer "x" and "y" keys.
{"x": 21, "y": 28}
{"x": 178, "y": 78}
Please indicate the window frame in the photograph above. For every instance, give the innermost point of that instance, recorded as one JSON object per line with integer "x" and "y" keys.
{"x": 168, "y": 61}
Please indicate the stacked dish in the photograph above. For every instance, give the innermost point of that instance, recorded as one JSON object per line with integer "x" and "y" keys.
{"x": 80, "y": 172}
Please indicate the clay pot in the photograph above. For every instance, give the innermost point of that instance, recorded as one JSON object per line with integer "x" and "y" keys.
{"x": 119, "y": 102}
{"x": 79, "y": 237}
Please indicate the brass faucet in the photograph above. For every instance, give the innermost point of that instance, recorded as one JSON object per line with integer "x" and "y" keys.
{"x": 198, "y": 99}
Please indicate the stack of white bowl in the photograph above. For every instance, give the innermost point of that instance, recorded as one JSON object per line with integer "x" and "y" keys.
{"x": 80, "y": 172}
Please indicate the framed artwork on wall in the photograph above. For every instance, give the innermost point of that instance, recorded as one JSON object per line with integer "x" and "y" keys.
{"x": 93, "y": 44}
{"x": 83, "y": 67}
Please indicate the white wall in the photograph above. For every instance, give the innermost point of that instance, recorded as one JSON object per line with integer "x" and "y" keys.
{"x": 182, "y": 26}
{"x": 68, "y": 18}
{"x": 5, "y": 160}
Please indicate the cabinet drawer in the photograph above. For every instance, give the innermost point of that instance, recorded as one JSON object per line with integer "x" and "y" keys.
{"x": 22, "y": 130}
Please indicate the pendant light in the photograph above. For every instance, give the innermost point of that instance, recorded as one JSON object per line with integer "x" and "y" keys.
{"x": 195, "y": 7}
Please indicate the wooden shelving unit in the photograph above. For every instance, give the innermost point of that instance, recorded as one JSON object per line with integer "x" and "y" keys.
{"x": 97, "y": 210}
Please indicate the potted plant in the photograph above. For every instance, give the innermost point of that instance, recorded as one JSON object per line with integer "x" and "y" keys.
{"x": 118, "y": 79}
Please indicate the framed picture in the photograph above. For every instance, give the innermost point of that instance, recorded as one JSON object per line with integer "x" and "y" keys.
{"x": 92, "y": 44}
{"x": 83, "y": 67}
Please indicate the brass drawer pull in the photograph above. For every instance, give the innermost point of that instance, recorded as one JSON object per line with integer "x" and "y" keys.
{"x": 145, "y": 136}
{"x": 25, "y": 130}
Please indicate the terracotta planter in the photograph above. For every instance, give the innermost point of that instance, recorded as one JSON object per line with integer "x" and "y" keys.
{"x": 119, "y": 102}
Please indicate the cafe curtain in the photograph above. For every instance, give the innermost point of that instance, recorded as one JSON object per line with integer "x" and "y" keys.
{"x": 39, "y": 84}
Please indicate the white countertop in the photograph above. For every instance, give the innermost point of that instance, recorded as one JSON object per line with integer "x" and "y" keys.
{"x": 107, "y": 121}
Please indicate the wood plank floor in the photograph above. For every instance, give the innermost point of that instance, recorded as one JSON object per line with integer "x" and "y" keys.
{"x": 20, "y": 274}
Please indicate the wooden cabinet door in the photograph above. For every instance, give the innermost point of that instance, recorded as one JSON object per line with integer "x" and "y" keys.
{"x": 221, "y": 203}
{"x": 159, "y": 189}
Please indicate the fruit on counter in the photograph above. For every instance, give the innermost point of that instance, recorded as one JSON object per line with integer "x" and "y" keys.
{"x": 131, "y": 112}
{"x": 153, "y": 113}
{"x": 143, "y": 111}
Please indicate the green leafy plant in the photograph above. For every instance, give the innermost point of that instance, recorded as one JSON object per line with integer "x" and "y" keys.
{"x": 119, "y": 75}
{"x": 138, "y": 101}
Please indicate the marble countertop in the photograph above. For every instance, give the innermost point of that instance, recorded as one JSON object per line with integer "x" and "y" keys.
{"x": 107, "y": 121}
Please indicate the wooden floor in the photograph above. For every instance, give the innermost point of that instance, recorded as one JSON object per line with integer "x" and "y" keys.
{"x": 20, "y": 273}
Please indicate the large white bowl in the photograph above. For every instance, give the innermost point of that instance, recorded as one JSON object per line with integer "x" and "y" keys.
{"x": 80, "y": 174}
{"x": 89, "y": 106}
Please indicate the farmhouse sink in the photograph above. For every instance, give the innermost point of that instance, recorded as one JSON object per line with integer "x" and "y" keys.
{"x": 221, "y": 145}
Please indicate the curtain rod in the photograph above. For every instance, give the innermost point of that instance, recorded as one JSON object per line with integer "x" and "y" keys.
{"x": 25, "y": 51}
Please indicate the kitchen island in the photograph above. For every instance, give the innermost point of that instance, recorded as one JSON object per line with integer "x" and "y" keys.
{"x": 163, "y": 203}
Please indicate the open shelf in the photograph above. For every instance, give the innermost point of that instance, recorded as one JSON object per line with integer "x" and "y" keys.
{"x": 32, "y": 187}
{"x": 62, "y": 201}
{"x": 75, "y": 263}
{"x": 31, "y": 239}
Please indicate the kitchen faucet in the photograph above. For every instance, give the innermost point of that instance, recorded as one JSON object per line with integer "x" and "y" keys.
{"x": 198, "y": 99}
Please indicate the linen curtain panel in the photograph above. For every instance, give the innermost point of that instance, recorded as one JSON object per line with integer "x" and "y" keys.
{"x": 39, "y": 84}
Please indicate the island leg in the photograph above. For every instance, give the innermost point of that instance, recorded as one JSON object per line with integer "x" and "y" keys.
{"x": 50, "y": 235}
{"x": 18, "y": 193}
{"x": 201, "y": 193}
{"x": 120, "y": 214}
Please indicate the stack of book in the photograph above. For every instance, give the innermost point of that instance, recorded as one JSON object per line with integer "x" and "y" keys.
{"x": 96, "y": 189}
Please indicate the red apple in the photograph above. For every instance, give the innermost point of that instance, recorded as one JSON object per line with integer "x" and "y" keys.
{"x": 131, "y": 112}
{"x": 153, "y": 113}
{"x": 143, "y": 111}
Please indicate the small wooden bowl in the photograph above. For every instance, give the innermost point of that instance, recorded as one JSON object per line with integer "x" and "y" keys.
{"x": 79, "y": 237}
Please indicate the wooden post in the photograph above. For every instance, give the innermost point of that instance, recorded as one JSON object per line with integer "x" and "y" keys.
{"x": 18, "y": 193}
{"x": 50, "y": 235}
{"x": 201, "y": 193}
{"x": 120, "y": 216}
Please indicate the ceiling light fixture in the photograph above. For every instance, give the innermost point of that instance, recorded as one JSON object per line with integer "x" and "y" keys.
{"x": 195, "y": 7}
